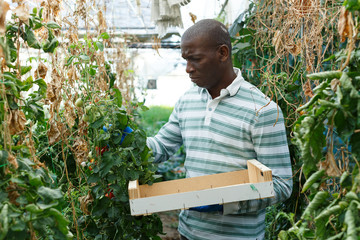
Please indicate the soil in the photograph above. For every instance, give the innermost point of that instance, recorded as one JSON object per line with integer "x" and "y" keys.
{"x": 170, "y": 222}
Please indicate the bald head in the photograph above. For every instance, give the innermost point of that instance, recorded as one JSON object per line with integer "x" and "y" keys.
{"x": 214, "y": 32}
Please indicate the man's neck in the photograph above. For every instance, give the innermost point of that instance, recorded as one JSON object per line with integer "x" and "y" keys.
{"x": 229, "y": 77}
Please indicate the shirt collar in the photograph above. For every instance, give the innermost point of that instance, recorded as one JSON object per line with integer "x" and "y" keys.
{"x": 232, "y": 89}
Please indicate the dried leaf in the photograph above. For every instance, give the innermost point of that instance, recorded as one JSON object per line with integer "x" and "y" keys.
{"x": 84, "y": 202}
{"x": 80, "y": 149}
{"x": 102, "y": 21}
{"x": 193, "y": 17}
{"x": 307, "y": 89}
{"x": 334, "y": 83}
{"x": 345, "y": 24}
{"x": 302, "y": 7}
{"x": 2, "y": 55}
{"x": 22, "y": 12}
{"x": 41, "y": 71}
{"x": 54, "y": 87}
{"x": 72, "y": 76}
{"x": 69, "y": 114}
{"x": 277, "y": 42}
{"x": 13, "y": 194}
{"x": 51, "y": 92}
{"x": 54, "y": 132}
{"x": 17, "y": 121}
{"x": 12, "y": 160}
{"x": 330, "y": 165}
{"x": 293, "y": 48}
{"x": 4, "y": 7}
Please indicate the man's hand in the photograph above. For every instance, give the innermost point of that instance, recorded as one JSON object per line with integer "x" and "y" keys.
{"x": 208, "y": 208}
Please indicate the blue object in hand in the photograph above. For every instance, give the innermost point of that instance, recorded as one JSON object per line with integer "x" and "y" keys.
{"x": 105, "y": 129}
{"x": 208, "y": 208}
{"x": 126, "y": 131}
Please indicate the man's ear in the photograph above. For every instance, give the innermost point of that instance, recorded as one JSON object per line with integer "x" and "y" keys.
{"x": 223, "y": 52}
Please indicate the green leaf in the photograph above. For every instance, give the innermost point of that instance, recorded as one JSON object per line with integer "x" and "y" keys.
{"x": 117, "y": 96}
{"x": 355, "y": 144}
{"x": 92, "y": 71}
{"x": 100, "y": 207}
{"x": 12, "y": 104}
{"x": 318, "y": 200}
{"x": 51, "y": 43}
{"x": 69, "y": 61}
{"x": 242, "y": 46}
{"x": 345, "y": 180}
{"x": 10, "y": 76}
{"x": 27, "y": 84}
{"x": 61, "y": 220}
{"x": 48, "y": 193}
{"x": 312, "y": 179}
{"x": 94, "y": 178}
{"x": 44, "y": 206}
{"x": 4, "y": 221}
{"x": 329, "y": 58}
{"x": 85, "y": 58}
{"x": 52, "y": 25}
{"x": 108, "y": 160}
{"x": 14, "y": 89}
{"x": 35, "y": 180}
{"x": 25, "y": 69}
{"x": 325, "y": 75}
{"x": 350, "y": 221}
{"x": 33, "y": 208}
{"x": 42, "y": 86}
{"x": 113, "y": 212}
{"x": 18, "y": 226}
{"x": 345, "y": 124}
{"x": 100, "y": 46}
{"x": 31, "y": 39}
{"x": 98, "y": 123}
{"x": 25, "y": 164}
{"x": 104, "y": 35}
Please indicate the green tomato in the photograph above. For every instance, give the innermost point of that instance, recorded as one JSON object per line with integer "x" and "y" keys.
{"x": 79, "y": 102}
{"x": 86, "y": 118}
{"x": 88, "y": 109}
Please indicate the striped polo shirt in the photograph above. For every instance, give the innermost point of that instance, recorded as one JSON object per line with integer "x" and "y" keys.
{"x": 220, "y": 135}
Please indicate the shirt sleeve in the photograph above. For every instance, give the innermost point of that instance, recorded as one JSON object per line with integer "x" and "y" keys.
{"x": 270, "y": 144}
{"x": 168, "y": 140}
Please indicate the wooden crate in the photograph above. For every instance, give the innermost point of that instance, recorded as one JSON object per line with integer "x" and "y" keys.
{"x": 253, "y": 183}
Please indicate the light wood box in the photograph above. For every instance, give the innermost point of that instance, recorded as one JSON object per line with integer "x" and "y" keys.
{"x": 253, "y": 183}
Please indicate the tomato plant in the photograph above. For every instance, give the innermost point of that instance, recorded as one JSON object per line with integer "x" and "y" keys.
{"x": 328, "y": 138}
{"x": 61, "y": 174}
{"x": 30, "y": 204}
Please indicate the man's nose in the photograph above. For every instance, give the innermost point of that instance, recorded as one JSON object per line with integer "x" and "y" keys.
{"x": 189, "y": 67}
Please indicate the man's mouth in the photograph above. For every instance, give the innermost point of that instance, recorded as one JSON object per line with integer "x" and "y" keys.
{"x": 193, "y": 78}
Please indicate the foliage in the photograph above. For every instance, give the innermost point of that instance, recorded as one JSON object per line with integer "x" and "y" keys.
{"x": 83, "y": 137}
{"x": 152, "y": 120}
{"x": 30, "y": 205}
{"x": 322, "y": 134}
{"x": 105, "y": 154}
{"x": 331, "y": 168}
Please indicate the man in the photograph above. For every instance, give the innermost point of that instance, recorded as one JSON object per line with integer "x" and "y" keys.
{"x": 223, "y": 122}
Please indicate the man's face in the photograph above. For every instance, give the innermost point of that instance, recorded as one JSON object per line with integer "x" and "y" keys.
{"x": 202, "y": 62}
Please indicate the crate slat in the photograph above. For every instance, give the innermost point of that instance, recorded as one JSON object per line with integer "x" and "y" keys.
{"x": 253, "y": 183}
